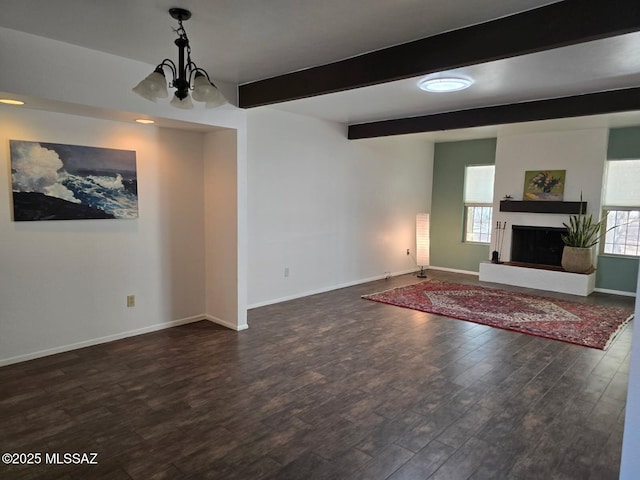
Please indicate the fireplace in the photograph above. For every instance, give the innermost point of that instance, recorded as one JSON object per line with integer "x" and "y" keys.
{"x": 536, "y": 255}
{"x": 537, "y": 245}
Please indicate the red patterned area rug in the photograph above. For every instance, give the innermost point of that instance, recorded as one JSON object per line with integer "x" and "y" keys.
{"x": 583, "y": 324}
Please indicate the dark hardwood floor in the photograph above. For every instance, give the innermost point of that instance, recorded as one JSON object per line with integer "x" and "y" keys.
{"x": 325, "y": 387}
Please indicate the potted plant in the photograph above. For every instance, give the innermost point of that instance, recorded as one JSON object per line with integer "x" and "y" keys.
{"x": 582, "y": 234}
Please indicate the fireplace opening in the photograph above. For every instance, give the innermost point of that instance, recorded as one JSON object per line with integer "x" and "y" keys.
{"x": 537, "y": 245}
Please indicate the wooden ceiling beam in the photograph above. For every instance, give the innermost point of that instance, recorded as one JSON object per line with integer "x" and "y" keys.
{"x": 575, "y": 106}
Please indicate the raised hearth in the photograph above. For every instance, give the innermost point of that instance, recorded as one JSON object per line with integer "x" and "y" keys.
{"x": 539, "y": 278}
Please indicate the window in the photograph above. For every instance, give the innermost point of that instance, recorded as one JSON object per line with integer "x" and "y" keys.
{"x": 478, "y": 203}
{"x": 622, "y": 208}
{"x": 478, "y": 224}
{"x": 625, "y": 238}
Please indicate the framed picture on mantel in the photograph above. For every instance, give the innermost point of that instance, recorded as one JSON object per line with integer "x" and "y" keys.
{"x": 544, "y": 185}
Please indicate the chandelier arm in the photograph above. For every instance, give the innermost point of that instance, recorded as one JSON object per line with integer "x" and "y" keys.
{"x": 194, "y": 70}
{"x": 172, "y": 66}
{"x": 202, "y": 71}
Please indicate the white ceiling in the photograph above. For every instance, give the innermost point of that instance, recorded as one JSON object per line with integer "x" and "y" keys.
{"x": 589, "y": 67}
{"x": 239, "y": 41}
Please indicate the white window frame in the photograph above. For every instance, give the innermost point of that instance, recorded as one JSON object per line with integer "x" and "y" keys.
{"x": 623, "y": 198}
{"x": 614, "y": 238}
{"x": 470, "y": 236}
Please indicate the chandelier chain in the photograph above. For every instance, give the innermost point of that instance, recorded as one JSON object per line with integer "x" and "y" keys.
{"x": 182, "y": 33}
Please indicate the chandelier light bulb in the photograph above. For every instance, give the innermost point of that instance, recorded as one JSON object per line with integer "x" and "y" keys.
{"x": 154, "y": 86}
{"x": 185, "y": 103}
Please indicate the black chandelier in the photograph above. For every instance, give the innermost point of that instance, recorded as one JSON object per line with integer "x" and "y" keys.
{"x": 186, "y": 76}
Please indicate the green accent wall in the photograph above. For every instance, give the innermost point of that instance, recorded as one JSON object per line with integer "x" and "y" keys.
{"x": 624, "y": 143}
{"x": 617, "y": 273}
{"x": 447, "y": 206}
{"x": 620, "y": 273}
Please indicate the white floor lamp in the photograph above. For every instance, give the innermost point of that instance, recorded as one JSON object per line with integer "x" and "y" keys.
{"x": 422, "y": 242}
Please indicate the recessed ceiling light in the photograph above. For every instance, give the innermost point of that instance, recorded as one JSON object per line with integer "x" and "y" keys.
{"x": 444, "y": 84}
{"x": 10, "y": 101}
{"x": 145, "y": 121}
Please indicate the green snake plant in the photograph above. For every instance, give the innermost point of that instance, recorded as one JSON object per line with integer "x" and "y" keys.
{"x": 582, "y": 231}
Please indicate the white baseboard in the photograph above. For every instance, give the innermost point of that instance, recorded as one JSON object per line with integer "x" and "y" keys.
{"x": 616, "y": 292}
{"x": 96, "y": 341}
{"x": 454, "y": 270}
{"x": 329, "y": 288}
{"x": 224, "y": 323}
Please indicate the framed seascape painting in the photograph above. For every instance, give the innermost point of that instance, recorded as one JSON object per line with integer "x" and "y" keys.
{"x": 52, "y": 181}
{"x": 544, "y": 185}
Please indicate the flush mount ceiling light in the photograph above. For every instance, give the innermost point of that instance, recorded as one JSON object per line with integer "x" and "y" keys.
{"x": 145, "y": 121}
{"x": 186, "y": 75}
{"x": 445, "y": 84}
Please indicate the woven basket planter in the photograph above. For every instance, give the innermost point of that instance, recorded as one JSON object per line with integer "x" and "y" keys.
{"x": 577, "y": 259}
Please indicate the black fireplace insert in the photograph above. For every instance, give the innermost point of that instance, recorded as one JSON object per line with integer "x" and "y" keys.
{"x": 537, "y": 245}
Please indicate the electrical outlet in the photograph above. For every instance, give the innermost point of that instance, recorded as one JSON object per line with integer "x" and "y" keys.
{"x": 131, "y": 300}
{"x": 408, "y": 252}
{"x": 286, "y": 271}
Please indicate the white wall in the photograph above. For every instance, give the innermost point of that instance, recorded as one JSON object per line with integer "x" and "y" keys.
{"x": 630, "y": 465}
{"x": 222, "y": 184}
{"x": 332, "y": 211}
{"x": 168, "y": 255}
{"x": 582, "y": 153}
{"x": 64, "y": 283}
